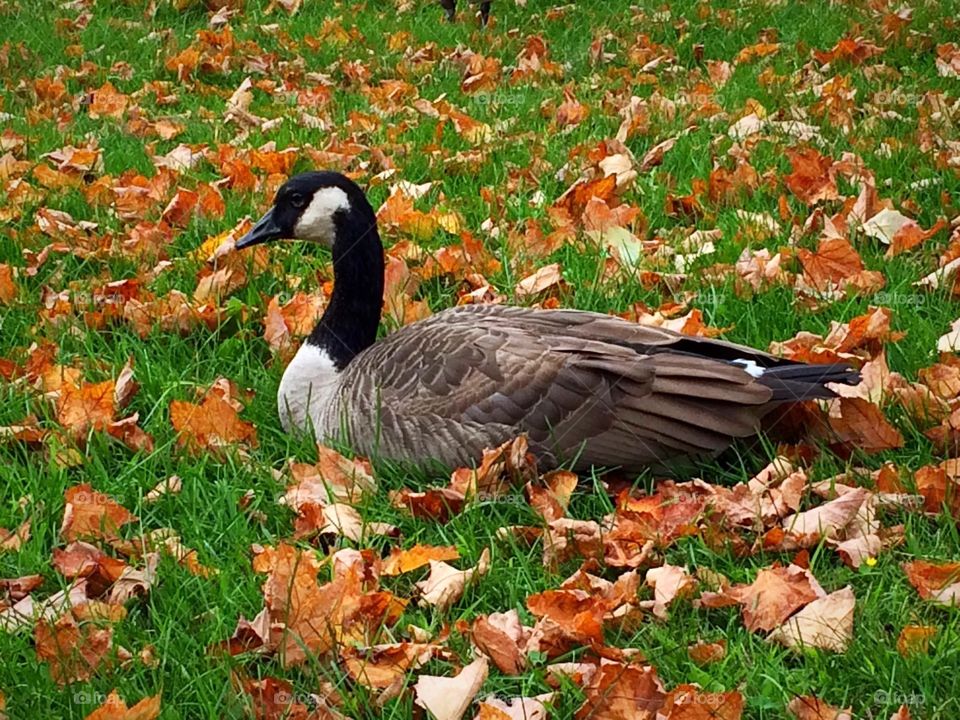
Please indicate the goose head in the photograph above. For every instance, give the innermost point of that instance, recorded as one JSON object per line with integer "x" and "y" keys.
{"x": 318, "y": 207}
{"x": 329, "y": 209}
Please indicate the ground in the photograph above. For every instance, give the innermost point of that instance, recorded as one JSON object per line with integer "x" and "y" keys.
{"x": 783, "y": 116}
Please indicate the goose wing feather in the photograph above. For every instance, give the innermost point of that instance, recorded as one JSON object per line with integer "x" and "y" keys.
{"x": 585, "y": 387}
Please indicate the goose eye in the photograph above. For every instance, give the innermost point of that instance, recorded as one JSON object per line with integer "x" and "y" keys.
{"x": 298, "y": 200}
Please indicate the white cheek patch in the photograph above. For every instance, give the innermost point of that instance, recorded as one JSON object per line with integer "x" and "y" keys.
{"x": 316, "y": 222}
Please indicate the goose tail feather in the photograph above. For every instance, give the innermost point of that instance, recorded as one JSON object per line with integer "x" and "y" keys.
{"x": 794, "y": 383}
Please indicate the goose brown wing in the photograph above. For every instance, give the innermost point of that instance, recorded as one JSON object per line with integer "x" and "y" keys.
{"x": 581, "y": 385}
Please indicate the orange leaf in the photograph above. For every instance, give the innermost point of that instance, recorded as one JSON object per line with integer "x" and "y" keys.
{"x": 812, "y": 178}
{"x": 90, "y": 514}
{"x": 89, "y": 406}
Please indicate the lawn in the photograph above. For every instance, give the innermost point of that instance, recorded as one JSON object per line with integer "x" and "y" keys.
{"x": 750, "y": 169}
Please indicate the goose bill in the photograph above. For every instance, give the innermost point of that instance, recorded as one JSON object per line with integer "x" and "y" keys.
{"x": 265, "y": 230}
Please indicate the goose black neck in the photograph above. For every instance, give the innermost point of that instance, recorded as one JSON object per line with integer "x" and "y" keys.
{"x": 349, "y": 324}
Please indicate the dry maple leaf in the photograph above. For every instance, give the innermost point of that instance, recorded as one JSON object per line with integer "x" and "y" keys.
{"x": 114, "y": 708}
{"x": 8, "y": 285}
{"x": 704, "y": 653}
{"x": 774, "y": 596}
{"x": 446, "y": 584}
{"x": 12, "y": 541}
{"x": 861, "y": 424}
{"x": 546, "y": 278}
{"x": 617, "y": 691}
{"x": 449, "y": 698}
{"x": 381, "y": 666}
{"x": 806, "y": 707}
{"x": 91, "y": 514}
{"x": 74, "y": 650}
{"x": 835, "y": 261}
{"x": 826, "y": 623}
{"x": 939, "y": 582}
{"x": 211, "y": 425}
{"x": 915, "y": 639}
{"x": 812, "y": 178}
{"x": 333, "y": 478}
{"x": 90, "y": 406}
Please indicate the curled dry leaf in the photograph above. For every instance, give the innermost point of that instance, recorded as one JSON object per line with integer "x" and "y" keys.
{"x": 826, "y": 623}
{"x": 546, "y": 278}
{"x": 939, "y": 582}
{"x": 668, "y": 582}
{"x": 827, "y": 520}
{"x": 449, "y": 698}
{"x": 381, "y": 666}
{"x": 446, "y": 584}
{"x": 502, "y": 638}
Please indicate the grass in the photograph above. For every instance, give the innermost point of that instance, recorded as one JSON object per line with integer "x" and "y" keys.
{"x": 184, "y": 615}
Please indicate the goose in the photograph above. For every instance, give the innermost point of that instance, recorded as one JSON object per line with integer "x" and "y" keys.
{"x": 587, "y": 389}
{"x": 451, "y": 7}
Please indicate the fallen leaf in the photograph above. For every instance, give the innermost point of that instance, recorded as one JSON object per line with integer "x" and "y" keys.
{"x": 449, "y": 698}
{"x": 826, "y": 623}
{"x": 915, "y": 639}
{"x": 446, "y": 584}
{"x": 114, "y": 708}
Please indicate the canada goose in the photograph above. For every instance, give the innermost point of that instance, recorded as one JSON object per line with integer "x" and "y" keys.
{"x": 451, "y": 7}
{"x": 587, "y": 388}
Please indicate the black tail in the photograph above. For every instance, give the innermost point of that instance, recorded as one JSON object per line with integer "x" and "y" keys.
{"x": 795, "y": 382}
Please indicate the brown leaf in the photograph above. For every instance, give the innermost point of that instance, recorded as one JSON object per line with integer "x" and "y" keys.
{"x": 90, "y": 406}
{"x": 668, "y": 582}
{"x": 74, "y": 650}
{"x": 863, "y": 425}
{"x": 381, "y": 666}
{"x": 774, "y": 596}
{"x": 825, "y": 623}
{"x": 704, "y": 653}
{"x": 618, "y": 691}
{"x": 915, "y": 639}
{"x": 812, "y": 178}
{"x": 834, "y": 261}
{"x": 502, "y": 638}
{"x": 91, "y": 514}
{"x": 939, "y": 582}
